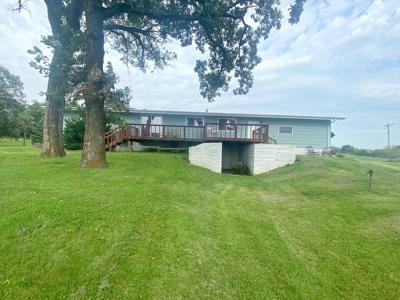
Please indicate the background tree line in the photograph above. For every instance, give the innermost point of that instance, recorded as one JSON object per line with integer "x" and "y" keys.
{"x": 21, "y": 119}
{"x": 17, "y": 118}
{"x": 389, "y": 153}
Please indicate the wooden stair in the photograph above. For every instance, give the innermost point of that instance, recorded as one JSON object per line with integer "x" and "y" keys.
{"x": 118, "y": 136}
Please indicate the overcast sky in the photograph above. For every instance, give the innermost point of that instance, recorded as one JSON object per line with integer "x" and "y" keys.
{"x": 342, "y": 59}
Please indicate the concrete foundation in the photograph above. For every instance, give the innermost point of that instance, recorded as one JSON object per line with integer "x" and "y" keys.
{"x": 207, "y": 155}
{"x": 259, "y": 158}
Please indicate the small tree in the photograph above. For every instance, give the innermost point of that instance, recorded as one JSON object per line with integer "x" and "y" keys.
{"x": 73, "y": 132}
{"x": 36, "y": 113}
{"x": 37, "y": 133}
{"x": 25, "y": 123}
{"x": 30, "y": 122}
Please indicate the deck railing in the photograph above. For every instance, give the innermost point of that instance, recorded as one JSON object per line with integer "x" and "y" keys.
{"x": 208, "y": 132}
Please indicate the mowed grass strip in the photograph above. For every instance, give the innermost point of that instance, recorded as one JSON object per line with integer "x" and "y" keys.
{"x": 153, "y": 226}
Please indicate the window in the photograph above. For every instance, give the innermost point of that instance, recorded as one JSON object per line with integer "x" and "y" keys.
{"x": 151, "y": 120}
{"x": 286, "y": 129}
{"x": 191, "y": 121}
{"x": 226, "y": 124}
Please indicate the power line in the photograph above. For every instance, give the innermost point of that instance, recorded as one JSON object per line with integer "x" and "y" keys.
{"x": 388, "y": 125}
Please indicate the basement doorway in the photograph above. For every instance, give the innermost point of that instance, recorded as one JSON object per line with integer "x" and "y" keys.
{"x": 234, "y": 154}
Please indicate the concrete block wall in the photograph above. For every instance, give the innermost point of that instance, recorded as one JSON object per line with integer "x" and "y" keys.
{"x": 270, "y": 156}
{"x": 207, "y": 155}
{"x": 259, "y": 158}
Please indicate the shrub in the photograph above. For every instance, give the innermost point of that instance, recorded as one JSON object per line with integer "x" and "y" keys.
{"x": 334, "y": 150}
{"x": 240, "y": 168}
{"x": 362, "y": 152}
{"x": 73, "y": 133}
{"x": 150, "y": 149}
{"x": 347, "y": 149}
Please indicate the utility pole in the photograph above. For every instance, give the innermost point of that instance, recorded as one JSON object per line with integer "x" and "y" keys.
{"x": 388, "y": 132}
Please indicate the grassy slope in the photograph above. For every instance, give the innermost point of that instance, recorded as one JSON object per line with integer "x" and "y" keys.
{"x": 152, "y": 226}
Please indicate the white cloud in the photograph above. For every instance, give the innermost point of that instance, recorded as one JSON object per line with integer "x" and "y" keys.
{"x": 19, "y": 32}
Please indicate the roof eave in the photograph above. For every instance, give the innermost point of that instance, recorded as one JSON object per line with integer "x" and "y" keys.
{"x": 327, "y": 118}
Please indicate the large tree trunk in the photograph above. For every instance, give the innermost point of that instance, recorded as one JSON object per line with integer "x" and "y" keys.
{"x": 94, "y": 152}
{"x": 58, "y": 14}
{"x": 53, "y": 138}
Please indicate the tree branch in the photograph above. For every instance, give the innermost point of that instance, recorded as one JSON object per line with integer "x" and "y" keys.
{"x": 20, "y": 5}
{"x": 123, "y": 8}
{"x": 75, "y": 12}
{"x": 129, "y": 29}
{"x": 55, "y": 9}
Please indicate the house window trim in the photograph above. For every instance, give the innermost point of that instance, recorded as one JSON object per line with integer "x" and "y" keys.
{"x": 227, "y": 118}
{"x": 186, "y": 121}
{"x": 152, "y": 117}
{"x": 279, "y": 129}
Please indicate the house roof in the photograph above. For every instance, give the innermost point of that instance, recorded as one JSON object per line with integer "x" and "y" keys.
{"x": 219, "y": 114}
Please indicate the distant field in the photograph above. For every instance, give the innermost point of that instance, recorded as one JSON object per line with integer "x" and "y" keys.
{"x": 152, "y": 226}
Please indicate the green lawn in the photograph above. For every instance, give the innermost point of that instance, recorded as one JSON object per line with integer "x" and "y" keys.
{"x": 152, "y": 226}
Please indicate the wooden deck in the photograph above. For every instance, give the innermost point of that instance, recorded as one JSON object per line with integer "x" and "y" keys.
{"x": 207, "y": 133}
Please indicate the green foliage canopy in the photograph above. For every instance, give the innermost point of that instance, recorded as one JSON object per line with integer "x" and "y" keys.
{"x": 73, "y": 132}
{"x": 11, "y": 103}
{"x": 226, "y": 32}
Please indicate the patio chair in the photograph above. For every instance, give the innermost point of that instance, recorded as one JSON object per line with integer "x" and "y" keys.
{"x": 327, "y": 151}
{"x": 311, "y": 151}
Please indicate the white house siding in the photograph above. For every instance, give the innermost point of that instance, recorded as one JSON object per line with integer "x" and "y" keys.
{"x": 207, "y": 155}
{"x": 315, "y": 133}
